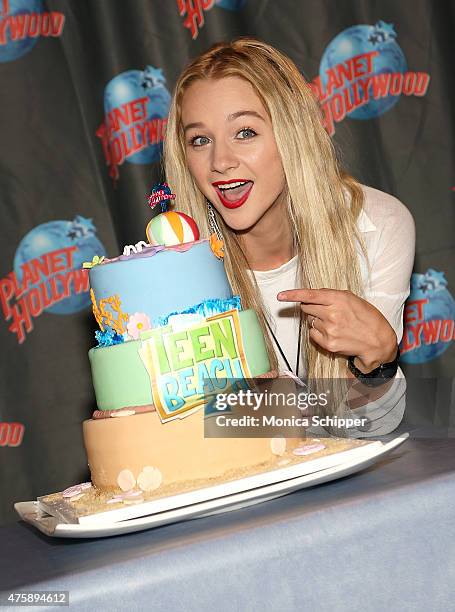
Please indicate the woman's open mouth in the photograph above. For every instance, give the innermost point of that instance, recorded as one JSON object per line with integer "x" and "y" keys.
{"x": 233, "y": 193}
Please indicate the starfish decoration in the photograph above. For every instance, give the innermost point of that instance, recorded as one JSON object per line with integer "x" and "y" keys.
{"x": 217, "y": 246}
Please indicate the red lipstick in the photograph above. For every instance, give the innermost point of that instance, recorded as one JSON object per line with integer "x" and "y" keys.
{"x": 246, "y": 188}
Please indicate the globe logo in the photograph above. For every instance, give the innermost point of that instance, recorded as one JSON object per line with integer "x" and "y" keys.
{"x": 13, "y": 49}
{"x": 429, "y": 318}
{"x": 69, "y": 243}
{"x": 230, "y": 5}
{"x": 363, "y": 73}
{"x": 360, "y": 40}
{"x": 136, "y": 105}
{"x": 22, "y": 22}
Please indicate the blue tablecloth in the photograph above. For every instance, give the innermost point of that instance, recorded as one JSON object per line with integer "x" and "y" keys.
{"x": 383, "y": 539}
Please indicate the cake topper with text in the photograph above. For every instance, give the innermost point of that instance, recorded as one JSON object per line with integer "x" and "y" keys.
{"x": 160, "y": 194}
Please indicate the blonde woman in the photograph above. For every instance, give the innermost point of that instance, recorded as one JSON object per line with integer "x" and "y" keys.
{"x": 325, "y": 261}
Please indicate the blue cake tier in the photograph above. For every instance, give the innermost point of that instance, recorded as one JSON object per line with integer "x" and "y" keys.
{"x": 157, "y": 283}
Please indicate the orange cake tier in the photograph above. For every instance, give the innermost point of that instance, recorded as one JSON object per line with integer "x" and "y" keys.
{"x": 178, "y": 449}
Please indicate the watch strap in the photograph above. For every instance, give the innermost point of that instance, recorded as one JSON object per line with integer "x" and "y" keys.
{"x": 378, "y": 376}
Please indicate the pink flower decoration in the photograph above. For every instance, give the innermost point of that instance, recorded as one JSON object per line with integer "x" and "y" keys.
{"x": 137, "y": 323}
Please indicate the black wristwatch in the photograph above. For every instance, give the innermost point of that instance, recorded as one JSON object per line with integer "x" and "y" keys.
{"x": 379, "y": 375}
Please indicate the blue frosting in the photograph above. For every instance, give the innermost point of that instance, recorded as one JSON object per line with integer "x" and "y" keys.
{"x": 168, "y": 281}
{"x": 207, "y": 308}
{"x": 108, "y": 337}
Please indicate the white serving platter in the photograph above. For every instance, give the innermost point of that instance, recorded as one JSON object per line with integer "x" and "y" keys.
{"x": 202, "y": 502}
{"x": 66, "y": 513}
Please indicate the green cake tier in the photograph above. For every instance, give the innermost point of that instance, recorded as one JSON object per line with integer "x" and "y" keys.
{"x": 120, "y": 378}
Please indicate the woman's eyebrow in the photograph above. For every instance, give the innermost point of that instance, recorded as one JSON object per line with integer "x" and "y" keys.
{"x": 197, "y": 124}
{"x": 242, "y": 113}
{"x": 231, "y": 117}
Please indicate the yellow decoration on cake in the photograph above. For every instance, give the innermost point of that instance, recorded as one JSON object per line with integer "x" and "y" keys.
{"x": 95, "y": 262}
{"x": 105, "y": 316}
{"x": 217, "y": 246}
{"x": 96, "y": 311}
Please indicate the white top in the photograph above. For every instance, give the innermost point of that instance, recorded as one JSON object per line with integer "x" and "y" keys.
{"x": 387, "y": 228}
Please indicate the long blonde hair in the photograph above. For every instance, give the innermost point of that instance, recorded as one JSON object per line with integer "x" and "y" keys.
{"x": 323, "y": 202}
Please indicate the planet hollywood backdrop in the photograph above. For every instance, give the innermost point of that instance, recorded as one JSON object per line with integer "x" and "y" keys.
{"x": 86, "y": 86}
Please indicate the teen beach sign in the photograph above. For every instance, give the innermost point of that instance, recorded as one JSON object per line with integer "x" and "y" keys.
{"x": 186, "y": 366}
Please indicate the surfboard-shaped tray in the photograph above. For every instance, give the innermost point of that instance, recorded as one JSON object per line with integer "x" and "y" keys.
{"x": 279, "y": 476}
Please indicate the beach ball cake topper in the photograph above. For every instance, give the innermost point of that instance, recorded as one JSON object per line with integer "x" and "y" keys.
{"x": 169, "y": 228}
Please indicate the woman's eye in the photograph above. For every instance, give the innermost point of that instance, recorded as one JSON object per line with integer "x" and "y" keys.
{"x": 199, "y": 141}
{"x": 247, "y": 133}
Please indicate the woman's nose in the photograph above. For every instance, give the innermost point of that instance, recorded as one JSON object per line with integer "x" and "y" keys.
{"x": 223, "y": 158}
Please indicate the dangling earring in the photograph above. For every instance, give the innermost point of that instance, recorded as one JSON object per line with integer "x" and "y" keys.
{"x": 213, "y": 223}
{"x": 216, "y": 237}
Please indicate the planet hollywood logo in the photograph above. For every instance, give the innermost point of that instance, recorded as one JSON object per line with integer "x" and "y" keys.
{"x": 363, "y": 73}
{"x": 22, "y": 22}
{"x": 193, "y": 11}
{"x": 429, "y": 318}
{"x": 11, "y": 434}
{"x": 136, "y": 106}
{"x": 48, "y": 274}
